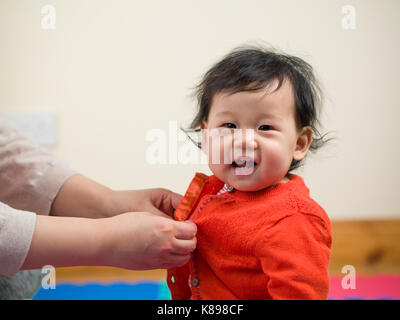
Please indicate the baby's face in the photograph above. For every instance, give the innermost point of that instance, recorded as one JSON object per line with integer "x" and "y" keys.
{"x": 260, "y": 154}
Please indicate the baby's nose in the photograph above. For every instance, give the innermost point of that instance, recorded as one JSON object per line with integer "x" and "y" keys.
{"x": 245, "y": 139}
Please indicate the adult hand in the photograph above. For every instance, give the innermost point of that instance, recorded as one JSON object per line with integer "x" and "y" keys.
{"x": 83, "y": 197}
{"x": 134, "y": 240}
{"x": 159, "y": 201}
{"x": 141, "y": 240}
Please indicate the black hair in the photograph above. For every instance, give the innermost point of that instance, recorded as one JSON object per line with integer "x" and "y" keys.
{"x": 250, "y": 68}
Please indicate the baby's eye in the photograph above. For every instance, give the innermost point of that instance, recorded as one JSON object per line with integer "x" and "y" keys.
{"x": 229, "y": 125}
{"x": 265, "y": 127}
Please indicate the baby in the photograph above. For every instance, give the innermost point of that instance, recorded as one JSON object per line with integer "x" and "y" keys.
{"x": 260, "y": 235}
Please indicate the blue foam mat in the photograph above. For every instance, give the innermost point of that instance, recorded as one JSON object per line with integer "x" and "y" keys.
{"x": 112, "y": 291}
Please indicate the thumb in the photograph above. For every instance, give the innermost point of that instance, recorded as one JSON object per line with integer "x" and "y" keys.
{"x": 176, "y": 198}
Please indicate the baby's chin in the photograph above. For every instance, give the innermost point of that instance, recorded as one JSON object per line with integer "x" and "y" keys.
{"x": 253, "y": 181}
{"x": 248, "y": 184}
{"x": 248, "y": 187}
{"x": 252, "y": 185}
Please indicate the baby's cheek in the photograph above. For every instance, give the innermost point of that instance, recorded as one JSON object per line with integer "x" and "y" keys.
{"x": 220, "y": 171}
{"x": 277, "y": 158}
{"x": 220, "y": 150}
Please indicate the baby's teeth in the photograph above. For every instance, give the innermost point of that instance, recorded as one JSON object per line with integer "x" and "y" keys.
{"x": 249, "y": 163}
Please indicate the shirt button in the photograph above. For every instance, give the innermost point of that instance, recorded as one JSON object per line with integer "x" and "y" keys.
{"x": 195, "y": 282}
{"x": 173, "y": 279}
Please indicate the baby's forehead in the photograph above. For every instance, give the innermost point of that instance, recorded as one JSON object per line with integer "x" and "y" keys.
{"x": 270, "y": 99}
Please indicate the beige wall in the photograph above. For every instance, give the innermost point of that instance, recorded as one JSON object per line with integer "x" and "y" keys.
{"x": 113, "y": 70}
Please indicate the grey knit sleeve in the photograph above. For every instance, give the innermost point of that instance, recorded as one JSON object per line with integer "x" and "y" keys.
{"x": 30, "y": 176}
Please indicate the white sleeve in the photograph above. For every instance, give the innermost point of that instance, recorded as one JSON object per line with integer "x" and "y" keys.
{"x": 16, "y": 232}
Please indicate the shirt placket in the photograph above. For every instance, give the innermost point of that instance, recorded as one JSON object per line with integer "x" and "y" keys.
{"x": 194, "y": 277}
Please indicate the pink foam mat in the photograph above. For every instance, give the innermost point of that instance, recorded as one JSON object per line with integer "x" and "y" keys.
{"x": 367, "y": 287}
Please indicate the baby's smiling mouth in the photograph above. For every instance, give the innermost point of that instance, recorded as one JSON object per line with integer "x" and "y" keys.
{"x": 244, "y": 165}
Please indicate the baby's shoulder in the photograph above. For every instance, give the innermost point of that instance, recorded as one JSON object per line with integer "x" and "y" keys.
{"x": 269, "y": 210}
{"x": 308, "y": 207}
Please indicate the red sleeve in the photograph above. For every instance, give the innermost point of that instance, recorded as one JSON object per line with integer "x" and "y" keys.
{"x": 294, "y": 255}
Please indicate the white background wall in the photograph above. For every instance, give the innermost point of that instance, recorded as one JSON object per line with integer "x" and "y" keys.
{"x": 113, "y": 70}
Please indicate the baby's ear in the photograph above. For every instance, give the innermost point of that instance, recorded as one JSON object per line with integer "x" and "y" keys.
{"x": 203, "y": 125}
{"x": 304, "y": 139}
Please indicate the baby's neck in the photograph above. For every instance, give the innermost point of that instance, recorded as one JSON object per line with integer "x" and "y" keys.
{"x": 284, "y": 180}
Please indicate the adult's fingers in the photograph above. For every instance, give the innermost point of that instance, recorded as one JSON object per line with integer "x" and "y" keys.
{"x": 185, "y": 230}
{"x": 175, "y": 260}
{"x": 175, "y": 199}
{"x": 165, "y": 200}
{"x": 183, "y": 247}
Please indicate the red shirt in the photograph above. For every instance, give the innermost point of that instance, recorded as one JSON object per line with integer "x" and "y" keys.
{"x": 268, "y": 244}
